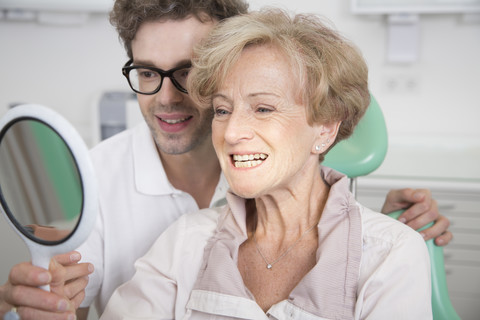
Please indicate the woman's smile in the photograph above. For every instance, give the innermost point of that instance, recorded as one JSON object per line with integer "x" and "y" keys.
{"x": 248, "y": 160}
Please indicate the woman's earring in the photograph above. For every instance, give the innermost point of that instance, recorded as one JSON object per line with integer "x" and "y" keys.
{"x": 319, "y": 148}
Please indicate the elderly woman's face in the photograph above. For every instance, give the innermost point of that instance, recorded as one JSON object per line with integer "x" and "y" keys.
{"x": 260, "y": 130}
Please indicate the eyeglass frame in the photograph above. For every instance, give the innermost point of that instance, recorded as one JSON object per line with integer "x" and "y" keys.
{"x": 163, "y": 74}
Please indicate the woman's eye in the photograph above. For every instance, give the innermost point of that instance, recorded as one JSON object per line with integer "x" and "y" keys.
{"x": 264, "y": 109}
{"x": 220, "y": 112}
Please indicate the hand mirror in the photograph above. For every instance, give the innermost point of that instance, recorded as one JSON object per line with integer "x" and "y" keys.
{"x": 48, "y": 191}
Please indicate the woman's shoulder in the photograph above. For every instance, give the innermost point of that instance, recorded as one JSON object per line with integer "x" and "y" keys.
{"x": 203, "y": 221}
{"x": 192, "y": 228}
{"x": 394, "y": 269}
{"x": 183, "y": 240}
{"x": 379, "y": 228}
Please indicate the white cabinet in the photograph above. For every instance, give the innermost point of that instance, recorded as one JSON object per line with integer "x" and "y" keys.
{"x": 459, "y": 200}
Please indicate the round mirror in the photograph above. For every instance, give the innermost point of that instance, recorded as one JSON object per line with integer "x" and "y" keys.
{"x": 40, "y": 185}
{"x": 47, "y": 185}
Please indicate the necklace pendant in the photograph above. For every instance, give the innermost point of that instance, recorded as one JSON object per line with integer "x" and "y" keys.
{"x": 269, "y": 266}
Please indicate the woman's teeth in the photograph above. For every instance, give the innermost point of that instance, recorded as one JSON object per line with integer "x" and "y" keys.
{"x": 248, "y": 160}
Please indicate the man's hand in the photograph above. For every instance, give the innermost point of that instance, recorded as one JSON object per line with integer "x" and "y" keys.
{"x": 421, "y": 210}
{"x": 67, "y": 279}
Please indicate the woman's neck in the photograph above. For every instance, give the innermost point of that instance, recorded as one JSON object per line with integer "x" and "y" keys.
{"x": 291, "y": 211}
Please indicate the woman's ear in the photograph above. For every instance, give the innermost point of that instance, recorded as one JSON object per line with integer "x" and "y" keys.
{"x": 326, "y": 134}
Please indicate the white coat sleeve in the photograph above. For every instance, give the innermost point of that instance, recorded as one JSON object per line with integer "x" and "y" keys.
{"x": 165, "y": 276}
{"x": 152, "y": 292}
{"x": 92, "y": 252}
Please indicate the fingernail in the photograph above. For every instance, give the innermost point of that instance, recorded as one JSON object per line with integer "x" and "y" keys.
{"x": 44, "y": 277}
{"x": 91, "y": 268}
{"x": 440, "y": 242}
{"x": 72, "y": 317}
{"x": 74, "y": 257}
{"x": 423, "y": 235}
{"x": 402, "y": 220}
{"x": 418, "y": 195}
{"x": 62, "y": 305}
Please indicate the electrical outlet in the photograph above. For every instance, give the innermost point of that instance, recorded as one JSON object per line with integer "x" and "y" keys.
{"x": 401, "y": 84}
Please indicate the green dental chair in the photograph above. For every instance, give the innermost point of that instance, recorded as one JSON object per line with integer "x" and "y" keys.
{"x": 363, "y": 153}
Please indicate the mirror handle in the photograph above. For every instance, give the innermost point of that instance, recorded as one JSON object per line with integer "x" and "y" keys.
{"x": 42, "y": 260}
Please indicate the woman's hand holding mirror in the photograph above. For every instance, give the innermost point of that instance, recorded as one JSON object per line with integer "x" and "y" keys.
{"x": 67, "y": 280}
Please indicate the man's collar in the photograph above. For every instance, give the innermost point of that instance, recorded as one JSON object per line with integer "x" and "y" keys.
{"x": 150, "y": 176}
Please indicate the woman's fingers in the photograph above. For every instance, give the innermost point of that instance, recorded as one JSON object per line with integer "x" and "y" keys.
{"x": 27, "y": 313}
{"x": 68, "y": 258}
{"x": 27, "y": 274}
{"x": 36, "y": 298}
{"x": 75, "y": 290}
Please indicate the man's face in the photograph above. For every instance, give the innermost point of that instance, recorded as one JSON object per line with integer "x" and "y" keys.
{"x": 177, "y": 125}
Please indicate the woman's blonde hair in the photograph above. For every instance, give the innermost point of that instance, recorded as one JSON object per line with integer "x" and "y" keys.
{"x": 330, "y": 72}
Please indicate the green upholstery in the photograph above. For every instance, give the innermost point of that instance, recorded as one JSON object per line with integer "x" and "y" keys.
{"x": 365, "y": 150}
{"x": 441, "y": 306}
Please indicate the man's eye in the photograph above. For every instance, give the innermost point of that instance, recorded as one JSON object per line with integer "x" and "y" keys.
{"x": 147, "y": 74}
{"x": 183, "y": 73}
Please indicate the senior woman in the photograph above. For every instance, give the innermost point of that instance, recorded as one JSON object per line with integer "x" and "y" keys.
{"x": 292, "y": 242}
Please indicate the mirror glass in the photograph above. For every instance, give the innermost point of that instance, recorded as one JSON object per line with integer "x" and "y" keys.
{"x": 48, "y": 190}
{"x": 40, "y": 184}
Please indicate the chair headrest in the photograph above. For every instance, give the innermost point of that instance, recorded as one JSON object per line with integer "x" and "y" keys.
{"x": 365, "y": 150}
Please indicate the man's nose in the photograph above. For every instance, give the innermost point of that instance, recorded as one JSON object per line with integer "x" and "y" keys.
{"x": 168, "y": 93}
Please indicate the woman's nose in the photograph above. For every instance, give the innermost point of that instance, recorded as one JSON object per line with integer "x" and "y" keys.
{"x": 239, "y": 127}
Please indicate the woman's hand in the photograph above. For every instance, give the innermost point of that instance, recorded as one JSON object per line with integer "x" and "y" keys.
{"x": 421, "y": 210}
{"x": 67, "y": 279}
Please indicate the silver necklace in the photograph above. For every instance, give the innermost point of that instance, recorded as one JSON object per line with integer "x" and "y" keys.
{"x": 270, "y": 264}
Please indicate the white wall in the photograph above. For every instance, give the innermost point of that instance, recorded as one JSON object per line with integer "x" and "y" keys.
{"x": 66, "y": 68}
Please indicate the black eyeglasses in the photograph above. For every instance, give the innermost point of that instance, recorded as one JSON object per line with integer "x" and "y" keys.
{"x": 148, "y": 80}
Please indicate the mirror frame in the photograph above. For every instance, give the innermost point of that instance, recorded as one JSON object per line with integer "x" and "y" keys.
{"x": 42, "y": 250}
{"x": 5, "y": 204}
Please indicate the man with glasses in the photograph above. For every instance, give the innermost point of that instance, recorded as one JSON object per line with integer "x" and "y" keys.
{"x": 149, "y": 80}
{"x": 154, "y": 173}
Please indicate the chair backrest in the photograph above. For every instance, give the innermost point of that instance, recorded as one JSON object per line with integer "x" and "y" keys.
{"x": 441, "y": 305}
{"x": 365, "y": 150}
{"x": 362, "y": 154}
